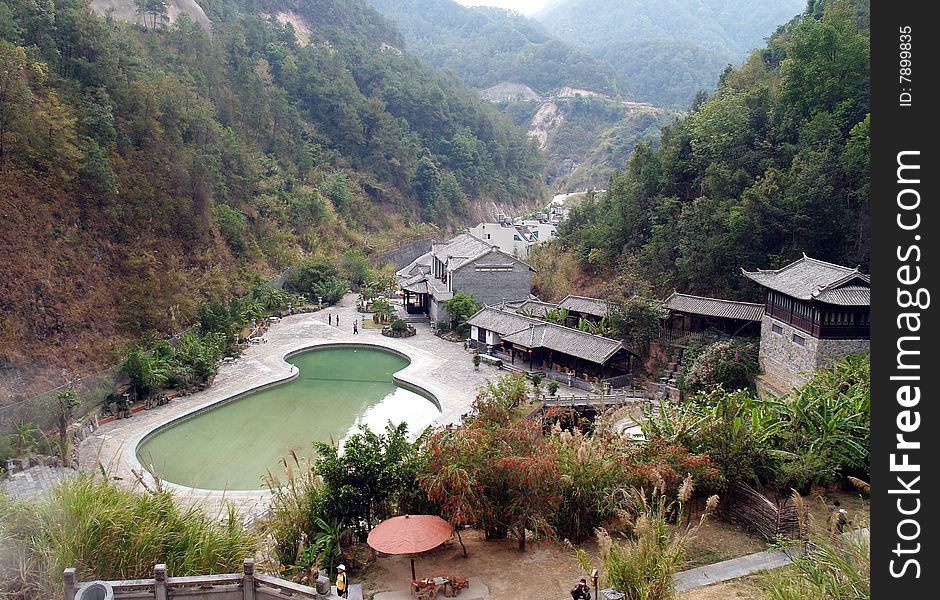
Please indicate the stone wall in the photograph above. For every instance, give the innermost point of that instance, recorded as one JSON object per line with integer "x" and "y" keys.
{"x": 403, "y": 255}
{"x": 437, "y": 312}
{"x": 493, "y": 287}
{"x": 790, "y": 364}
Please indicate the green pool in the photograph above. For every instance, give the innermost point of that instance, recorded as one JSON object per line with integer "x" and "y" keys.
{"x": 337, "y": 391}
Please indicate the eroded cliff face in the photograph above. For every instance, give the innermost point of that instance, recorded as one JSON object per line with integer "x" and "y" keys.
{"x": 125, "y": 10}
{"x": 546, "y": 122}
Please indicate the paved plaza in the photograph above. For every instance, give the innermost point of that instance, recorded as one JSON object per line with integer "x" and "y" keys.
{"x": 34, "y": 482}
{"x": 443, "y": 368}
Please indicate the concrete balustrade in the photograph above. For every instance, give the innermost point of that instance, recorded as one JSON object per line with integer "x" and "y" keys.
{"x": 233, "y": 586}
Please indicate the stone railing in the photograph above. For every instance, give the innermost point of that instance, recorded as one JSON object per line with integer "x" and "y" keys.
{"x": 234, "y": 586}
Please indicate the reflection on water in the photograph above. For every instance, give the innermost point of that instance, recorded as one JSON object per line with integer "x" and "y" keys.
{"x": 338, "y": 391}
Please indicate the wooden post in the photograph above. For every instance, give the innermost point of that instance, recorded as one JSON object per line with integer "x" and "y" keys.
{"x": 71, "y": 584}
{"x": 248, "y": 582}
{"x": 159, "y": 584}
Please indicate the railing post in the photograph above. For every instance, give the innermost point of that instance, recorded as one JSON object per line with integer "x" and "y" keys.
{"x": 159, "y": 587}
{"x": 71, "y": 584}
{"x": 248, "y": 581}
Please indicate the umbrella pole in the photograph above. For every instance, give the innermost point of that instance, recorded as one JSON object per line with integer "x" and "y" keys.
{"x": 413, "y": 578}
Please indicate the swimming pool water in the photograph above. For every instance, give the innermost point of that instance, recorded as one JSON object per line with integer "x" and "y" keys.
{"x": 234, "y": 444}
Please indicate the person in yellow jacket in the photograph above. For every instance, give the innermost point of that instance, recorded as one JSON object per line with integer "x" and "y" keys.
{"x": 342, "y": 585}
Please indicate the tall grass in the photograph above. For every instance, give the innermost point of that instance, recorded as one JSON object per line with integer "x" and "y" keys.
{"x": 825, "y": 572}
{"x": 109, "y": 532}
{"x": 643, "y": 565}
{"x": 295, "y": 507}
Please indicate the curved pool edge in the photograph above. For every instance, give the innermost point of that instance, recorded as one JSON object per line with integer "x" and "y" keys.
{"x": 401, "y": 377}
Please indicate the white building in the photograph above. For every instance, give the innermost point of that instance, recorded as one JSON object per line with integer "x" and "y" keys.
{"x": 512, "y": 239}
{"x": 541, "y": 230}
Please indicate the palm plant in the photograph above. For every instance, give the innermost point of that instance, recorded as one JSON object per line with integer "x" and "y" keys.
{"x": 24, "y": 437}
{"x": 327, "y": 544}
{"x": 147, "y": 372}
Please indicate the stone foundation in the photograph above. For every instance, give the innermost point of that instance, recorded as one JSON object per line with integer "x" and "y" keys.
{"x": 790, "y": 356}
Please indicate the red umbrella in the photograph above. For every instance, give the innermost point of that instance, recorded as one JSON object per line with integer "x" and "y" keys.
{"x": 410, "y": 534}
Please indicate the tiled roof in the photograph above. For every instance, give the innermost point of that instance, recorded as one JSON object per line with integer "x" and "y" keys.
{"x": 535, "y": 333}
{"x": 418, "y": 284}
{"x": 811, "y": 279}
{"x": 422, "y": 264}
{"x": 714, "y": 307}
{"x": 535, "y": 307}
{"x": 850, "y": 295}
{"x": 586, "y": 306}
{"x": 460, "y": 249}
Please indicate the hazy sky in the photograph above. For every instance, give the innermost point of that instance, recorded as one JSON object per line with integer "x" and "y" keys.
{"x": 526, "y": 7}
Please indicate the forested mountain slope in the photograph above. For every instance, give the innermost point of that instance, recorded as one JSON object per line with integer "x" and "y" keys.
{"x": 485, "y": 46}
{"x": 142, "y": 171}
{"x": 667, "y": 50}
{"x": 774, "y": 165}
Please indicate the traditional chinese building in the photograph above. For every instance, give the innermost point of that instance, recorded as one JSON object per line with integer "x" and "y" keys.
{"x": 815, "y": 313}
{"x": 560, "y": 352}
{"x": 687, "y": 316}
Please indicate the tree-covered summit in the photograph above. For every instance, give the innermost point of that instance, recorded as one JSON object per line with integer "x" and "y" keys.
{"x": 773, "y": 165}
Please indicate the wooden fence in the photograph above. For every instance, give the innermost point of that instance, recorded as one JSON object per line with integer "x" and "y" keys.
{"x": 233, "y": 586}
{"x": 745, "y": 505}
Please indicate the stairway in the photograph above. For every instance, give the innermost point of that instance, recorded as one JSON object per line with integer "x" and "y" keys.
{"x": 667, "y": 387}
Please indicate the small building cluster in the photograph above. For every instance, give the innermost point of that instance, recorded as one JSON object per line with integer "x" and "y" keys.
{"x": 465, "y": 264}
{"x": 814, "y": 313}
{"x": 580, "y": 359}
{"x": 517, "y": 238}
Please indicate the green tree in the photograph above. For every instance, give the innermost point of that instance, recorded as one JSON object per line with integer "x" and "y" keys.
{"x": 15, "y": 92}
{"x": 461, "y": 307}
{"x": 427, "y": 187}
{"x": 369, "y": 481}
{"x": 66, "y": 400}
{"x": 317, "y": 277}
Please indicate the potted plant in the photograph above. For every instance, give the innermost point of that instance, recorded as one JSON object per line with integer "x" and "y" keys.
{"x": 552, "y": 388}
{"x": 476, "y": 361}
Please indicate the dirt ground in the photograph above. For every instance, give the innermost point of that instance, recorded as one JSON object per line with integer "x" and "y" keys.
{"x": 719, "y": 540}
{"x": 544, "y": 570}
{"x": 739, "y": 589}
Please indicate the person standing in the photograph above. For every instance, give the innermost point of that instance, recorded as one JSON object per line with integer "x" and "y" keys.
{"x": 342, "y": 584}
{"x": 838, "y": 519}
{"x": 337, "y": 320}
{"x": 329, "y": 318}
{"x": 355, "y": 327}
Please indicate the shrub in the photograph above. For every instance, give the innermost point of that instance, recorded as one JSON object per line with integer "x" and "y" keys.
{"x": 553, "y": 388}
{"x": 317, "y": 277}
{"x": 399, "y": 325}
{"x": 727, "y": 364}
